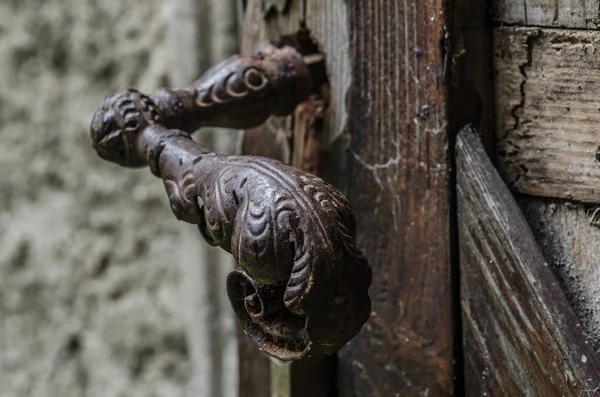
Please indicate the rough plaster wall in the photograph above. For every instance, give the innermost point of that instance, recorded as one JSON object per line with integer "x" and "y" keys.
{"x": 95, "y": 273}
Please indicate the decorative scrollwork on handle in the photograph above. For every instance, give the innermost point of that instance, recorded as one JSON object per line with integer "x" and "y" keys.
{"x": 239, "y": 92}
{"x": 302, "y": 284}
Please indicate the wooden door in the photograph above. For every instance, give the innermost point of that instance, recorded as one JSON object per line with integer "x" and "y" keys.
{"x": 463, "y": 300}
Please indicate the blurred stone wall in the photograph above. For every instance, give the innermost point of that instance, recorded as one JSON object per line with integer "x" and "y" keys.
{"x": 102, "y": 292}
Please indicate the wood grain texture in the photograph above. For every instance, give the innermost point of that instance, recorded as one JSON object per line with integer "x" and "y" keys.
{"x": 396, "y": 179}
{"x": 581, "y": 14}
{"x": 547, "y": 111}
{"x": 271, "y": 139}
{"x": 327, "y": 22}
{"x": 569, "y": 236}
{"x": 254, "y": 30}
{"x": 329, "y": 27}
{"x": 520, "y": 334}
{"x": 284, "y": 23}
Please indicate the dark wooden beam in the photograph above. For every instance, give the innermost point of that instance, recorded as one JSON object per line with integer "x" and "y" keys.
{"x": 396, "y": 177}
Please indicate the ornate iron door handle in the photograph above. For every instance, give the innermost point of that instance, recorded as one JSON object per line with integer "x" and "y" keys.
{"x": 302, "y": 285}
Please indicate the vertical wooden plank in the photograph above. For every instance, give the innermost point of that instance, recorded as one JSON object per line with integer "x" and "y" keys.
{"x": 329, "y": 27}
{"x": 272, "y": 138}
{"x": 253, "y": 31}
{"x": 396, "y": 179}
{"x": 520, "y": 334}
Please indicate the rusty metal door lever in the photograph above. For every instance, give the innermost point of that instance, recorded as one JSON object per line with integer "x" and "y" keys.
{"x": 302, "y": 285}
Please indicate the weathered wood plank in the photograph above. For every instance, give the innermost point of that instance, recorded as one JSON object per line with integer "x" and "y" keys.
{"x": 520, "y": 334}
{"x": 271, "y": 139}
{"x": 569, "y": 236}
{"x": 582, "y": 14}
{"x": 254, "y": 30}
{"x": 547, "y": 111}
{"x": 328, "y": 24}
{"x": 396, "y": 179}
{"x": 284, "y": 20}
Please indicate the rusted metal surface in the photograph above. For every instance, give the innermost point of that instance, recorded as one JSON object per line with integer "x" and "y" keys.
{"x": 301, "y": 288}
{"x": 308, "y": 123}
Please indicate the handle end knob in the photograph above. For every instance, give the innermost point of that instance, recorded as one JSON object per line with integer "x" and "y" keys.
{"x": 117, "y": 124}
